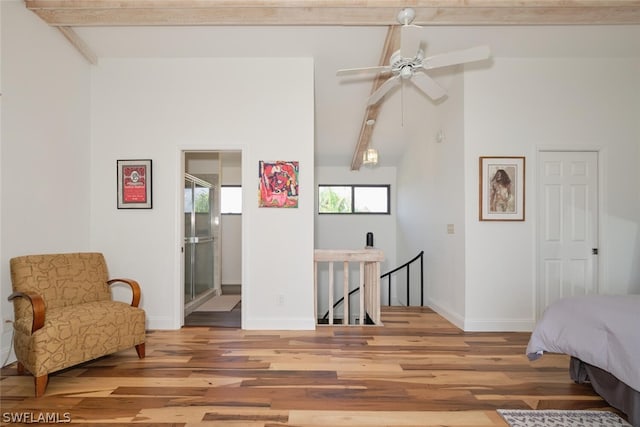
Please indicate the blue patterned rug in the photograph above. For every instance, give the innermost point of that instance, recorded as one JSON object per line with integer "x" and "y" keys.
{"x": 560, "y": 418}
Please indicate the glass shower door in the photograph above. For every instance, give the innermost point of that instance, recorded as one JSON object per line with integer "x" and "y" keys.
{"x": 199, "y": 257}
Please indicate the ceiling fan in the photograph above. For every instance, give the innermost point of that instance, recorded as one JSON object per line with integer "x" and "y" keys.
{"x": 409, "y": 62}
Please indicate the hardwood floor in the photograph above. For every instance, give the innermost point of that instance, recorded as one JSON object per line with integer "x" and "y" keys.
{"x": 222, "y": 319}
{"x": 416, "y": 370}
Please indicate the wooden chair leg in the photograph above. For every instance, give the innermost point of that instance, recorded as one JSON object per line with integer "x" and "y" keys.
{"x": 20, "y": 368}
{"x": 140, "y": 350}
{"x": 41, "y": 384}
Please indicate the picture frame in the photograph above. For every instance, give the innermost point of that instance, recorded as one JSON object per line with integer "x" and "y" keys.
{"x": 278, "y": 184}
{"x": 134, "y": 180}
{"x": 502, "y": 188}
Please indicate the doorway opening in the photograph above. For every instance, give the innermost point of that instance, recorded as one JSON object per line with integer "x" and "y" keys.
{"x": 212, "y": 251}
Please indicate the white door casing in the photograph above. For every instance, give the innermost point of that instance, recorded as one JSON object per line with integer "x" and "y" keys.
{"x": 568, "y": 225}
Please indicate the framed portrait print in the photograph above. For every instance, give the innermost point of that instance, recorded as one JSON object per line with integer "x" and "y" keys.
{"x": 502, "y": 188}
{"x": 134, "y": 184}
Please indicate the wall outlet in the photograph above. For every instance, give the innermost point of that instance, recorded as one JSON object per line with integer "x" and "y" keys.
{"x": 450, "y": 229}
{"x": 280, "y": 300}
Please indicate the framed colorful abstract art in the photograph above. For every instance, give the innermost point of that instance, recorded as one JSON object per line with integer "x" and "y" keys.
{"x": 278, "y": 186}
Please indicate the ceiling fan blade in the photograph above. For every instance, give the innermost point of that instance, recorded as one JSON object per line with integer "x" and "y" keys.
{"x": 409, "y": 40}
{"x": 456, "y": 57}
{"x": 429, "y": 86}
{"x": 365, "y": 70}
{"x": 383, "y": 89}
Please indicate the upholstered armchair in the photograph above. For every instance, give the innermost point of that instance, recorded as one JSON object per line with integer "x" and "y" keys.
{"x": 64, "y": 313}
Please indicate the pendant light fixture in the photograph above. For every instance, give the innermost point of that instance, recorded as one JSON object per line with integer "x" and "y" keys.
{"x": 370, "y": 157}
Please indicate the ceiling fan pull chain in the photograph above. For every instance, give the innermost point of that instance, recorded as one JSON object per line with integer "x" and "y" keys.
{"x": 402, "y": 105}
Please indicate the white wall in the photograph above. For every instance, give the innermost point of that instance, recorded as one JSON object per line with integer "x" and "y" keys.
{"x": 431, "y": 196}
{"x": 483, "y": 277}
{"x": 517, "y": 107}
{"x": 231, "y": 228}
{"x": 45, "y": 169}
{"x": 155, "y": 108}
{"x": 350, "y": 231}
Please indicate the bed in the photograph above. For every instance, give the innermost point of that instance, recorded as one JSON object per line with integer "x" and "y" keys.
{"x": 601, "y": 333}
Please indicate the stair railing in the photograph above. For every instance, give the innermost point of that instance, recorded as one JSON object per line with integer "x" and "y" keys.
{"x": 367, "y": 320}
{"x": 407, "y": 266}
{"x": 369, "y": 281}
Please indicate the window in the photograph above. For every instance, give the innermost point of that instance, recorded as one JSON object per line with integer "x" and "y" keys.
{"x": 353, "y": 199}
{"x": 230, "y": 199}
{"x": 198, "y": 197}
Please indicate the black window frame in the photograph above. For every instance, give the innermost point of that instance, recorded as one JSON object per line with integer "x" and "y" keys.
{"x": 353, "y": 203}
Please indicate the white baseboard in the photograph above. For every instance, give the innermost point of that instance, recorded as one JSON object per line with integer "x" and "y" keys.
{"x": 452, "y": 317}
{"x": 499, "y": 325}
{"x": 161, "y": 323}
{"x": 280, "y": 324}
{"x": 483, "y": 325}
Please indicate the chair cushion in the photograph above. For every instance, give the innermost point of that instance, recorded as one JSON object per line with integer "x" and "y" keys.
{"x": 60, "y": 279}
{"x": 78, "y": 333}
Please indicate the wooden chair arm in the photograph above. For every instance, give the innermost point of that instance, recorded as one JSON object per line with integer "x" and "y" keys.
{"x": 37, "y": 305}
{"x": 135, "y": 289}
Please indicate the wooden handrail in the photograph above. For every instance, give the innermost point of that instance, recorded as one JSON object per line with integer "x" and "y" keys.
{"x": 369, "y": 280}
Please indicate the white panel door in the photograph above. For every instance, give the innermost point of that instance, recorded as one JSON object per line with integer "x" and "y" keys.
{"x": 568, "y": 225}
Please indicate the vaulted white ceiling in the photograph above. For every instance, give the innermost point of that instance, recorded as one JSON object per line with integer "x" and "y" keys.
{"x": 345, "y": 42}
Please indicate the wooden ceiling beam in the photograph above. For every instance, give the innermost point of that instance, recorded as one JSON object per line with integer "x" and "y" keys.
{"x": 391, "y": 44}
{"x": 78, "y": 13}
{"x": 79, "y": 44}
{"x": 333, "y": 12}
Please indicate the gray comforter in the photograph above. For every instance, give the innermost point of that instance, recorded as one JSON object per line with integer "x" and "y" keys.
{"x": 602, "y": 330}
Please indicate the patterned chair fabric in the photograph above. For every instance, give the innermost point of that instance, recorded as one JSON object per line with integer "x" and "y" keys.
{"x": 64, "y": 313}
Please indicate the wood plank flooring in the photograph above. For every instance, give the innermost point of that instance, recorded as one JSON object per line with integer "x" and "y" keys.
{"x": 222, "y": 319}
{"x": 416, "y": 370}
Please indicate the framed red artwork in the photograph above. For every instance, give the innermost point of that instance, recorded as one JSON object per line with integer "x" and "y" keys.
{"x": 134, "y": 184}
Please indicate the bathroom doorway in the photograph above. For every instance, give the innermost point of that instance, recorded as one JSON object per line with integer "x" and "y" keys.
{"x": 201, "y": 241}
{"x": 212, "y": 240}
